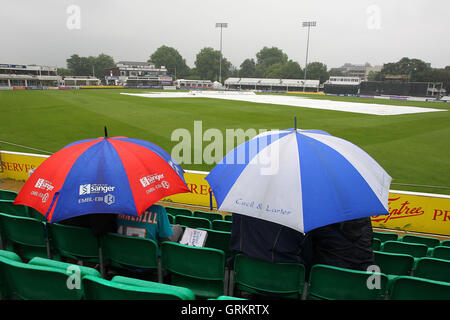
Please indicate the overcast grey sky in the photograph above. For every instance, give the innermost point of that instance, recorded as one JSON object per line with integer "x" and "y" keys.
{"x": 355, "y": 31}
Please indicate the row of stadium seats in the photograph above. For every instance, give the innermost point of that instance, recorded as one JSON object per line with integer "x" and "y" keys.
{"x": 410, "y": 238}
{"x": 48, "y": 279}
{"x": 203, "y": 271}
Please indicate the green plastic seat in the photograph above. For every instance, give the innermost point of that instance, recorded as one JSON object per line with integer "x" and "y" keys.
{"x": 27, "y": 235}
{"x": 101, "y": 289}
{"x": 229, "y": 298}
{"x": 33, "y": 213}
{"x": 200, "y": 269}
{"x": 276, "y": 280}
{"x": 376, "y": 244}
{"x": 441, "y": 252}
{"x": 176, "y": 211}
{"x": 208, "y": 215}
{"x": 4, "y": 292}
{"x": 10, "y": 255}
{"x": 333, "y": 283}
{"x": 222, "y": 225}
{"x": 385, "y": 236}
{"x": 228, "y": 217}
{"x": 433, "y": 269}
{"x": 445, "y": 243}
{"x": 414, "y": 249}
{"x": 73, "y": 242}
{"x": 7, "y": 206}
{"x": 394, "y": 263}
{"x": 428, "y": 241}
{"x": 124, "y": 252}
{"x": 83, "y": 270}
{"x": 7, "y": 195}
{"x": 192, "y": 222}
{"x": 183, "y": 293}
{"x": 33, "y": 282}
{"x": 171, "y": 218}
{"x": 218, "y": 240}
{"x": 412, "y": 288}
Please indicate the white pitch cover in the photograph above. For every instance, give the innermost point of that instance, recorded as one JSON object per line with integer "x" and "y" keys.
{"x": 377, "y": 178}
{"x": 273, "y": 183}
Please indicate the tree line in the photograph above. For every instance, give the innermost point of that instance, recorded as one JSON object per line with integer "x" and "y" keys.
{"x": 269, "y": 62}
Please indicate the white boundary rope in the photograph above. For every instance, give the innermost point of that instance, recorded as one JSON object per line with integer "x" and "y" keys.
{"x": 19, "y": 145}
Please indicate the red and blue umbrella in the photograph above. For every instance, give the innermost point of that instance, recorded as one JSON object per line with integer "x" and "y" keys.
{"x": 105, "y": 175}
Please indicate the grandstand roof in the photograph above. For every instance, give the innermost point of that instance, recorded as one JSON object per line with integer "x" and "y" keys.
{"x": 272, "y": 82}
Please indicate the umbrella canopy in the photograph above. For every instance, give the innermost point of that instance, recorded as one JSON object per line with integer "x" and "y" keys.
{"x": 302, "y": 179}
{"x": 104, "y": 175}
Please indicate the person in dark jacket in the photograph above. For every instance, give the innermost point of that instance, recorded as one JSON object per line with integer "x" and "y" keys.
{"x": 264, "y": 240}
{"x": 346, "y": 245}
{"x": 99, "y": 223}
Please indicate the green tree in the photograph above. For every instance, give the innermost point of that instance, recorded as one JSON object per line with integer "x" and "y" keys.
{"x": 317, "y": 71}
{"x": 247, "y": 68}
{"x": 88, "y": 66}
{"x": 406, "y": 66}
{"x": 268, "y": 57}
{"x": 100, "y": 63}
{"x": 374, "y": 76}
{"x": 171, "y": 59}
{"x": 207, "y": 65}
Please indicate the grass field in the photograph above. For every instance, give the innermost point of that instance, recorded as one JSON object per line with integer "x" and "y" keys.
{"x": 413, "y": 148}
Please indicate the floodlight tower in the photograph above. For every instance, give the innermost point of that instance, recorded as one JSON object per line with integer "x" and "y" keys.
{"x": 221, "y": 25}
{"x": 307, "y": 24}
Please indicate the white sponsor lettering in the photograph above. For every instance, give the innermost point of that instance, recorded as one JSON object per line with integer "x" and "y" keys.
{"x": 95, "y": 188}
{"x": 148, "y": 180}
{"x": 44, "y": 185}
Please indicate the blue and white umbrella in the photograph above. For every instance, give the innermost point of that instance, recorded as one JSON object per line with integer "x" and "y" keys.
{"x": 302, "y": 179}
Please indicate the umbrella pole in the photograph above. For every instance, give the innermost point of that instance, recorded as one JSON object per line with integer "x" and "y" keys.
{"x": 210, "y": 200}
{"x": 295, "y": 123}
{"x": 100, "y": 257}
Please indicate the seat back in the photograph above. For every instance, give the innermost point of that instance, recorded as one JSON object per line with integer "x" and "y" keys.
{"x": 333, "y": 283}
{"x": 8, "y": 207}
{"x": 83, "y": 270}
{"x": 74, "y": 242}
{"x": 441, "y": 252}
{"x": 445, "y": 243}
{"x": 208, "y": 215}
{"x": 100, "y": 289}
{"x": 228, "y": 217}
{"x": 123, "y": 251}
{"x": 267, "y": 278}
{"x": 376, "y": 244}
{"x": 4, "y": 290}
{"x": 200, "y": 269}
{"x": 27, "y": 234}
{"x": 222, "y": 225}
{"x": 385, "y": 236}
{"x": 182, "y": 293}
{"x": 176, "y": 211}
{"x": 7, "y": 195}
{"x": 394, "y": 263}
{"x": 414, "y": 249}
{"x": 412, "y": 288}
{"x": 192, "y": 222}
{"x": 218, "y": 240}
{"x": 34, "y": 282}
{"x": 433, "y": 269}
{"x": 33, "y": 213}
{"x": 428, "y": 241}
